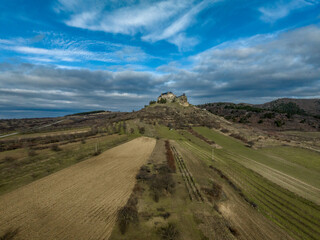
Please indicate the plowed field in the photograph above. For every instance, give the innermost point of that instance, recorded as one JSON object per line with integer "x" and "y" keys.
{"x": 79, "y": 202}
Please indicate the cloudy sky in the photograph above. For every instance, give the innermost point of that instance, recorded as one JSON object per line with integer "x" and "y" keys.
{"x": 64, "y": 56}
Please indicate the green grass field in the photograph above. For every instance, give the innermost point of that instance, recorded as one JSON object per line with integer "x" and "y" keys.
{"x": 295, "y": 214}
{"x": 299, "y": 163}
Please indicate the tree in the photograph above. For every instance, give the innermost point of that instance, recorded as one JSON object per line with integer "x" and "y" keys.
{"x": 162, "y": 100}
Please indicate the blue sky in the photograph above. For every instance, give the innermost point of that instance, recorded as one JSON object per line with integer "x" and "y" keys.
{"x": 64, "y": 56}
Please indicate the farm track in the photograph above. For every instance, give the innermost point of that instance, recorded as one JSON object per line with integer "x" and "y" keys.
{"x": 79, "y": 202}
{"x": 304, "y": 224}
{"x": 192, "y": 189}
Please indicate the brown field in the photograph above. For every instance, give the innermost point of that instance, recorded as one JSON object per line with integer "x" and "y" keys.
{"x": 79, "y": 202}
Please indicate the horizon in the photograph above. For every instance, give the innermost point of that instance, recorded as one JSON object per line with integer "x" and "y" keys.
{"x": 66, "y": 56}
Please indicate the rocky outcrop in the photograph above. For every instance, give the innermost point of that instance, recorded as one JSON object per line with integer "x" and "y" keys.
{"x": 169, "y": 97}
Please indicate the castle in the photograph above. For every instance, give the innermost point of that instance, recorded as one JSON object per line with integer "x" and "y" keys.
{"x": 169, "y": 97}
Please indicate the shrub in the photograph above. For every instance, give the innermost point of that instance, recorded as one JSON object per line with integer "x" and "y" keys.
{"x": 152, "y": 102}
{"x": 141, "y": 130}
{"x": 224, "y": 130}
{"x": 237, "y": 136}
{"x": 279, "y": 123}
{"x": 169, "y": 232}
{"x": 131, "y": 130}
{"x": 215, "y": 191}
{"x": 143, "y": 174}
{"x": 162, "y": 182}
{"x": 260, "y": 121}
{"x": 128, "y": 214}
{"x": 162, "y": 101}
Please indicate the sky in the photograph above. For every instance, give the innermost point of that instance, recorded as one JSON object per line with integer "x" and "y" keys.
{"x": 64, "y": 56}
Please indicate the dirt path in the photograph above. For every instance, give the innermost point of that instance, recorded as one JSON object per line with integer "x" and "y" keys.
{"x": 79, "y": 202}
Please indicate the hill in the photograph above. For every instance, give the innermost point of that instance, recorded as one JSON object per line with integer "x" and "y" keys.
{"x": 301, "y": 106}
{"x": 281, "y": 114}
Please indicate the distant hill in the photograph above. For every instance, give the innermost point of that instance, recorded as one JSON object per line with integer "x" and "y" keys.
{"x": 281, "y": 114}
{"x": 308, "y": 106}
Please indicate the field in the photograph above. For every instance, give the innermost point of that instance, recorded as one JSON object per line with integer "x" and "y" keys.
{"x": 24, "y": 165}
{"x": 78, "y": 202}
{"x": 298, "y": 216}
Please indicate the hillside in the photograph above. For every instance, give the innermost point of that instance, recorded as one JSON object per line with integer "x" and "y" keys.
{"x": 278, "y": 115}
{"x": 307, "y": 106}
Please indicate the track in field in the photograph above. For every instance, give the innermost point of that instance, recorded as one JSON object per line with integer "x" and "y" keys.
{"x": 192, "y": 189}
{"x": 79, "y": 202}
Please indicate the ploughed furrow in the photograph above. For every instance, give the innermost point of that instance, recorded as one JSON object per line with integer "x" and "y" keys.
{"x": 78, "y": 202}
{"x": 187, "y": 176}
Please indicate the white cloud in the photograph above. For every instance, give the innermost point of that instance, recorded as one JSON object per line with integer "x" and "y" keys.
{"x": 283, "y": 8}
{"x": 155, "y": 20}
{"x": 64, "y": 50}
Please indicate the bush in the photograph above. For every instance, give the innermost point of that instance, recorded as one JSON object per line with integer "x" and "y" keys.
{"x": 162, "y": 182}
{"x": 143, "y": 174}
{"x": 141, "y": 130}
{"x": 152, "y": 102}
{"x": 169, "y": 232}
{"x": 131, "y": 130}
{"x": 279, "y": 123}
{"x": 128, "y": 214}
{"x": 162, "y": 101}
{"x": 215, "y": 191}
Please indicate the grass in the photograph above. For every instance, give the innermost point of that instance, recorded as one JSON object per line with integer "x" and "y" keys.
{"x": 303, "y": 157}
{"x": 167, "y": 133}
{"x": 25, "y": 169}
{"x": 299, "y": 163}
{"x": 296, "y": 215}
